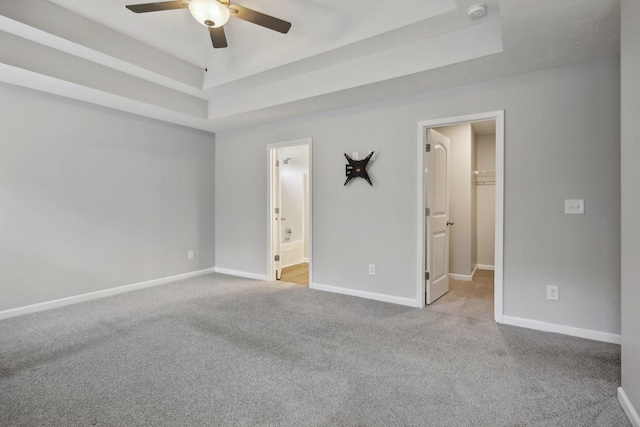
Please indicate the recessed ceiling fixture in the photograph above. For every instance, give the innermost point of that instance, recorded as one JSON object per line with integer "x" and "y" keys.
{"x": 477, "y": 11}
{"x": 213, "y": 14}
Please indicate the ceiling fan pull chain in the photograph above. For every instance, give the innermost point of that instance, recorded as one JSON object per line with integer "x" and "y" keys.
{"x": 206, "y": 57}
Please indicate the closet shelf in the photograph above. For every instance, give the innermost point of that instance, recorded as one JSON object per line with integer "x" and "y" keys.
{"x": 485, "y": 173}
{"x": 485, "y": 177}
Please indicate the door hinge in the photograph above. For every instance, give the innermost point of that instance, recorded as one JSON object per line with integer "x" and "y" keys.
{"x": 277, "y": 257}
{"x": 426, "y": 275}
{"x": 277, "y": 210}
{"x": 427, "y": 211}
{"x": 428, "y": 148}
{"x": 277, "y": 163}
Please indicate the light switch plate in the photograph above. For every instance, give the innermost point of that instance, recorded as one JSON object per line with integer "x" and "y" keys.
{"x": 574, "y": 207}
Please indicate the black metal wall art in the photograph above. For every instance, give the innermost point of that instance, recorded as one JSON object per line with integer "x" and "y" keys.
{"x": 357, "y": 168}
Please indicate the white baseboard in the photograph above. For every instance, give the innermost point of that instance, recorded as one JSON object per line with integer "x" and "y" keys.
{"x": 368, "y": 295}
{"x": 562, "y": 329}
{"x": 628, "y": 408}
{"x": 305, "y": 259}
{"x": 485, "y": 267}
{"x": 462, "y": 277}
{"x": 240, "y": 273}
{"x": 47, "y": 305}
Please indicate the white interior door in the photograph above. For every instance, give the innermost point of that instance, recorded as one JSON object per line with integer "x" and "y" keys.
{"x": 276, "y": 228}
{"x": 437, "y": 219}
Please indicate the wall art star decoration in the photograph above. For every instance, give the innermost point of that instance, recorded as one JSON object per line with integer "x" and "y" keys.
{"x": 357, "y": 168}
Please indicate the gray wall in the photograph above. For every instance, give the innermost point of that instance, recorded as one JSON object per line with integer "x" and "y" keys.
{"x": 474, "y": 199}
{"x": 486, "y": 215}
{"x": 630, "y": 88}
{"x": 92, "y": 198}
{"x": 355, "y": 225}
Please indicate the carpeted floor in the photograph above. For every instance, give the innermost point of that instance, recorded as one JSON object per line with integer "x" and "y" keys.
{"x": 471, "y": 299}
{"x": 224, "y": 351}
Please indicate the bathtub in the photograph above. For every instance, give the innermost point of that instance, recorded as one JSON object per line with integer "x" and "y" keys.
{"x": 292, "y": 253}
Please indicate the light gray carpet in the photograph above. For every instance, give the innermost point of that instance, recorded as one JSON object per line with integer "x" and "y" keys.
{"x": 223, "y": 351}
{"x": 471, "y": 299}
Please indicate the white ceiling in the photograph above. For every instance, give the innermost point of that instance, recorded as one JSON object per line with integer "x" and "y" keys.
{"x": 336, "y": 54}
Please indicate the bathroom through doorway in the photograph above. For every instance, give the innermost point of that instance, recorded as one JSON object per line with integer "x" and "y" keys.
{"x": 290, "y": 211}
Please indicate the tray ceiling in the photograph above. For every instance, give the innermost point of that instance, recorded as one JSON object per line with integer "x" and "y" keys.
{"x": 336, "y": 54}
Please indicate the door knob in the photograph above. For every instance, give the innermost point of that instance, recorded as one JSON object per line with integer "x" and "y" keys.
{"x": 449, "y": 222}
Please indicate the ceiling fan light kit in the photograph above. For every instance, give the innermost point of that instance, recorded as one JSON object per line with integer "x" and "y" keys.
{"x": 214, "y": 14}
{"x": 209, "y": 13}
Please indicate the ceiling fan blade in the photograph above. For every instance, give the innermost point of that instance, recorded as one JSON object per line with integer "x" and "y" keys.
{"x": 261, "y": 19}
{"x": 156, "y": 7}
{"x": 218, "y": 38}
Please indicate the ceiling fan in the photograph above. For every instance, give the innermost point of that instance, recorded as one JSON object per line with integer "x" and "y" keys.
{"x": 213, "y": 14}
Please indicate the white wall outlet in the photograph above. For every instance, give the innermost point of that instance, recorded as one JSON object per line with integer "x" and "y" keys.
{"x": 574, "y": 207}
{"x": 552, "y": 293}
{"x": 372, "y": 269}
{"x": 190, "y": 255}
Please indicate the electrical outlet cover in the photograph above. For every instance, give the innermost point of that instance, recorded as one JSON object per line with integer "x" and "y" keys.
{"x": 574, "y": 207}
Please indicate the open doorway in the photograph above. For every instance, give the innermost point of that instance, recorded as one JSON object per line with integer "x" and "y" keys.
{"x": 461, "y": 213}
{"x": 471, "y": 219}
{"x": 290, "y": 212}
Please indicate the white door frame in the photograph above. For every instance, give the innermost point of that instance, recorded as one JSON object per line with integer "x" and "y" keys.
{"x": 271, "y": 273}
{"x": 498, "y": 116}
